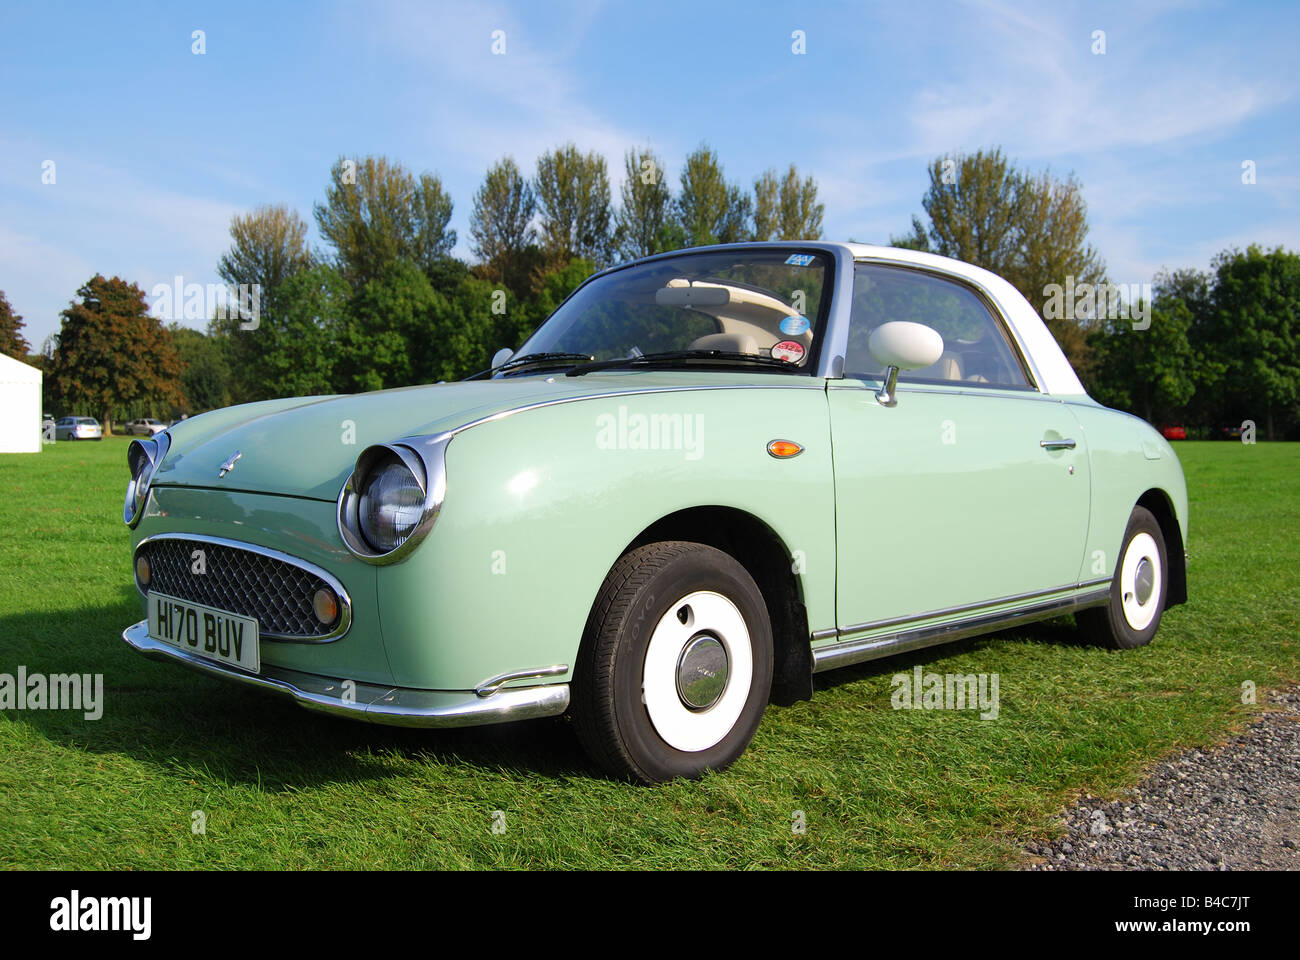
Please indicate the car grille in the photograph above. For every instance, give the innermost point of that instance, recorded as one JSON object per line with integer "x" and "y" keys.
{"x": 275, "y": 593}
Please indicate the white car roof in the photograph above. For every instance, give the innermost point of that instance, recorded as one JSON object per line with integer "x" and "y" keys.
{"x": 1053, "y": 370}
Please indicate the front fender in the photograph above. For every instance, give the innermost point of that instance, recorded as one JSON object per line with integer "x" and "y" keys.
{"x": 541, "y": 503}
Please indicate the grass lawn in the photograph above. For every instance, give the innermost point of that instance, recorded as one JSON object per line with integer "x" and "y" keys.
{"x": 878, "y": 787}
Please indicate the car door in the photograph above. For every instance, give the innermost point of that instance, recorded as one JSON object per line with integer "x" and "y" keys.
{"x": 973, "y": 488}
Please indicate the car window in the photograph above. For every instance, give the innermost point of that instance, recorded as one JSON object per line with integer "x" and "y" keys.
{"x": 975, "y": 347}
{"x": 759, "y": 302}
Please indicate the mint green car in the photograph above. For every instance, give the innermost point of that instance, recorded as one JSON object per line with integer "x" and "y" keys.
{"x": 708, "y": 476}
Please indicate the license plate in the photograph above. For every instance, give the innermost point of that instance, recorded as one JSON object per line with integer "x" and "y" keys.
{"x": 205, "y": 631}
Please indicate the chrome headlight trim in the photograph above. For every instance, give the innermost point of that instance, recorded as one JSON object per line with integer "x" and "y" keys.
{"x": 425, "y": 457}
{"x": 142, "y": 458}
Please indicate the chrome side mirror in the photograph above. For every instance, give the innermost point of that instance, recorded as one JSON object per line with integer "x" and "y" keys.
{"x": 899, "y": 345}
{"x": 501, "y": 356}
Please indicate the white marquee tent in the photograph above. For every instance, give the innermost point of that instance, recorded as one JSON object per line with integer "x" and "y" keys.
{"x": 20, "y": 407}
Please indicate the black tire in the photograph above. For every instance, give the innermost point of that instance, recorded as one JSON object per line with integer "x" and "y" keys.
{"x": 610, "y": 689}
{"x": 1125, "y": 622}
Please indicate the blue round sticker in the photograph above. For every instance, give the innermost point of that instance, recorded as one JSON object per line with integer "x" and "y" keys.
{"x": 793, "y": 326}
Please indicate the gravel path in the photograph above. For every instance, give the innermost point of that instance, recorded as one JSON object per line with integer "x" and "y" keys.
{"x": 1235, "y": 807}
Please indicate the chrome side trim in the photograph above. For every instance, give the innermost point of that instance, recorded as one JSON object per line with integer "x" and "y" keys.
{"x": 858, "y": 651}
{"x": 805, "y": 383}
{"x": 1095, "y": 583}
{"x": 374, "y": 703}
{"x": 345, "y": 600}
{"x": 824, "y": 634}
{"x": 965, "y": 608}
{"x": 490, "y": 687}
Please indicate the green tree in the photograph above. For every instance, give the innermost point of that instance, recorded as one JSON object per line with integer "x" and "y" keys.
{"x": 555, "y": 286}
{"x": 918, "y": 239}
{"x": 205, "y": 370}
{"x": 573, "y": 197}
{"x": 711, "y": 210}
{"x": 1053, "y": 245}
{"x": 1153, "y": 372}
{"x": 12, "y": 341}
{"x": 501, "y": 226}
{"x": 267, "y": 247}
{"x": 646, "y": 209}
{"x": 376, "y": 212}
{"x": 113, "y": 357}
{"x": 298, "y": 346}
{"x": 1029, "y": 229}
{"x": 767, "y": 203}
{"x": 787, "y": 209}
{"x": 1256, "y": 333}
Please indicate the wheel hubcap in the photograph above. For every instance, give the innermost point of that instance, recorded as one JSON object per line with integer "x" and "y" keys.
{"x": 702, "y": 672}
{"x": 1139, "y": 581}
{"x": 699, "y": 666}
{"x": 1146, "y": 580}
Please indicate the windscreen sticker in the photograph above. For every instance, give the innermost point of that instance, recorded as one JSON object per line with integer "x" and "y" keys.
{"x": 788, "y": 351}
{"x": 800, "y": 259}
{"x": 794, "y": 326}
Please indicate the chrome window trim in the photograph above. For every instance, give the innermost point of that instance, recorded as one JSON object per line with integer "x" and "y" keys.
{"x": 851, "y": 651}
{"x": 375, "y": 703}
{"x": 345, "y": 600}
{"x": 991, "y": 302}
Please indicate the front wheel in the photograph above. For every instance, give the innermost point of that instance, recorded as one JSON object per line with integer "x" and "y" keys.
{"x": 1132, "y": 614}
{"x": 675, "y": 668}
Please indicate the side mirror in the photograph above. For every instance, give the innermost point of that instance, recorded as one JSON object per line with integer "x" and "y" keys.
{"x": 501, "y": 356}
{"x": 899, "y": 345}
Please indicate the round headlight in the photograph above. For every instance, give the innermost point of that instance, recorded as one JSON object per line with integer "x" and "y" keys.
{"x": 390, "y": 505}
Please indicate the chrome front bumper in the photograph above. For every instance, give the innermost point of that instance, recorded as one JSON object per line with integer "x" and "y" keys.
{"x": 395, "y": 706}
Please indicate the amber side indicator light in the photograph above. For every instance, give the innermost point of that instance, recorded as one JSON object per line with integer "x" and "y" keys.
{"x": 784, "y": 449}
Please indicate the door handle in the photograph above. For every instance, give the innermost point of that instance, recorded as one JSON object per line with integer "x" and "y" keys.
{"x": 1056, "y": 444}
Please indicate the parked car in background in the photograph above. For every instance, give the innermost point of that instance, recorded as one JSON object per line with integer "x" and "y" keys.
{"x": 1173, "y": 432}
{"x": 78, "y": 428}
{"x": 145, "y": 427}
{"x": 1231, "y": 431}
{"x": 637, "y": 517}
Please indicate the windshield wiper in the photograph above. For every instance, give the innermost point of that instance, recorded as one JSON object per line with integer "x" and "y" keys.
{"x": 669, "y": 356}
{"x": 529, "y": 359}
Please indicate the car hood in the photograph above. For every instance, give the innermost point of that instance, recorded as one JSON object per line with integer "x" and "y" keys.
{"x": 306, "y": 446}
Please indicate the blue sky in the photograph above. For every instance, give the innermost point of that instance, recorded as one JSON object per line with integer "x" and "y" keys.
{"x": 156, "y": 147}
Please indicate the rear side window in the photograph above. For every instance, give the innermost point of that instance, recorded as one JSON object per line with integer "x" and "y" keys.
{"x": 976, "y": 351}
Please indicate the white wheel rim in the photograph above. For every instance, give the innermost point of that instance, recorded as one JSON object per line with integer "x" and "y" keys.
{"x": 1140, "y": 555}
{"x": 682, "y": 728}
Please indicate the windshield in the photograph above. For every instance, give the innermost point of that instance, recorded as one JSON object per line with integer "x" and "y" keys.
{"x": 764, "y": 303}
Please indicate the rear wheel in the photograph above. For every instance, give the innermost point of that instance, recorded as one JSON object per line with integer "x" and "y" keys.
{"x": 676, "y": 664}
{"x": 1132, "y": 614}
